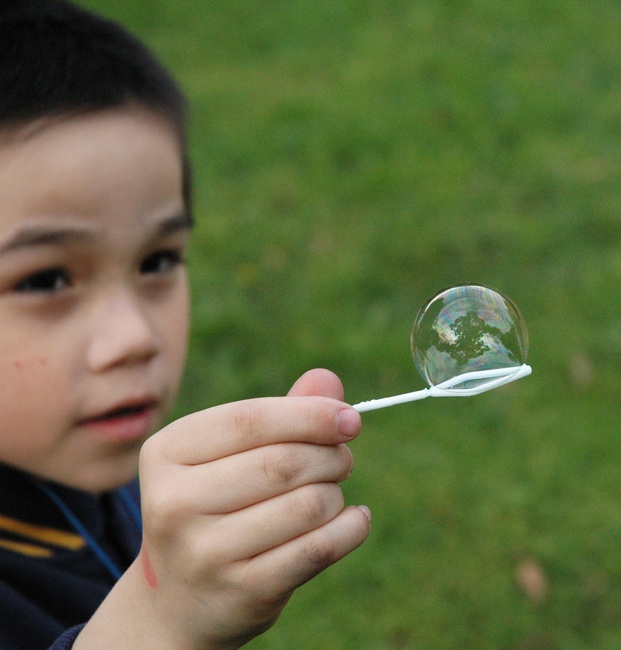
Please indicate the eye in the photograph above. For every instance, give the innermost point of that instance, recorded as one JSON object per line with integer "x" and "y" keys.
{"x": 161, "y": 262}
{"x": 45, "y": 281}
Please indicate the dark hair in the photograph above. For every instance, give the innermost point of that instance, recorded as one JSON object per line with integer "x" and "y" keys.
{"x": 57, "y": 59}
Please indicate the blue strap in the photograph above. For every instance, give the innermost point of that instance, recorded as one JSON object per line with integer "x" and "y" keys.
{"x": 131, "y": 505}
{"x": 79, "y": 528}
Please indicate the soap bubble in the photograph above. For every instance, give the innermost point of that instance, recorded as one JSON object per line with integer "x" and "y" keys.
{"x": 467, "y": 328}
{"x": 466, "y": 340}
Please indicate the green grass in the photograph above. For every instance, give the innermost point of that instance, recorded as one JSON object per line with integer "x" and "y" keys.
{"x": 352, "y": 158}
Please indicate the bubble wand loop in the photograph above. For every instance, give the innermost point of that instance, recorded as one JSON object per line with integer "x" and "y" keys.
{"x": 496, "y": 377}
{"x": 466, "y": 340}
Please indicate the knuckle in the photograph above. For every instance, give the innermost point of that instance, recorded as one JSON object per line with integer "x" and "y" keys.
{"x": 163, "y": 510}
{"x": 247, "y": 421}
{"x": 317, "y": 503}
{"x": 149, "y": 453}
{"x": 281, "y": 466}
{"x": 163, "y": 502}
{"x": 318, "y": 551}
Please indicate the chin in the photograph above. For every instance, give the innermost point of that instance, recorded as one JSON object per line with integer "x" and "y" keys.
{"x": 103, "y": 477}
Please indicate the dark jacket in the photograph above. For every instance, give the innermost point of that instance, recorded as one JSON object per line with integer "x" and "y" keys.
{"x": 55, "y": 573}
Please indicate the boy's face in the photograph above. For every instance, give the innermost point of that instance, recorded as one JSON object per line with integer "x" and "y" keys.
{"x": 93, "y": 293}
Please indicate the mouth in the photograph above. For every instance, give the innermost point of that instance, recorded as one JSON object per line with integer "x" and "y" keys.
{"x": 122, "y": 412}
{"x": 126, "y": 423}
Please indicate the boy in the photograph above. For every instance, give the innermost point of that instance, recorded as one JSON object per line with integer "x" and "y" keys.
{"x": 240, "y": 503}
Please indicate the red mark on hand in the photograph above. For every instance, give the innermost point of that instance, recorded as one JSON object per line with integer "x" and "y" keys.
{"x": 147, "y": 568}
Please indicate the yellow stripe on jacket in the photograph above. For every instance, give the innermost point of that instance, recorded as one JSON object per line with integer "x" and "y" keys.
{"x": 32, "y": 532}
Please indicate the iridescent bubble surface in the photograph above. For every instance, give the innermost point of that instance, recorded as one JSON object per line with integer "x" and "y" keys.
{"x": 467, "y": 328}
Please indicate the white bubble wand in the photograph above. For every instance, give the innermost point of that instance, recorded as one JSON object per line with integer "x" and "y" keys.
{"x": 489, "y": 379}
{"x": 471, "y": 322}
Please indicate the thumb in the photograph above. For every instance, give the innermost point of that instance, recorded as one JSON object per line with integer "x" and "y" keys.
{"x": 318, "y": 382}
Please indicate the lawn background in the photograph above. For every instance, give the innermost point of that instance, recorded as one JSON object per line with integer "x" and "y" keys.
{"x": 352, "y": 158}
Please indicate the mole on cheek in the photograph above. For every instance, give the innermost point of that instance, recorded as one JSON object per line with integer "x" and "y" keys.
{"x": 20, "y": 364}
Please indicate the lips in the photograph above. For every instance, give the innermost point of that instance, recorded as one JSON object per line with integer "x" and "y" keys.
{"x": 121, "y": 412}
{"x": 125, "y": 423}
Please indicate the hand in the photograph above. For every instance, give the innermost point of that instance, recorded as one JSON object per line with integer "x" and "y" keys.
{"x": 241, "y": 505}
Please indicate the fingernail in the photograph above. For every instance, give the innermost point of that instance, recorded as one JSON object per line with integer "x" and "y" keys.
{"x": 366, "y": 511}
{"x": 349, "y": 422}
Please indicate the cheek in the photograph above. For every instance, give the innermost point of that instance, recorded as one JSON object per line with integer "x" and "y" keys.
{"x": 30, "y": 395}
{"x": 175, "y": 333}
{"x": 28, "y": 380}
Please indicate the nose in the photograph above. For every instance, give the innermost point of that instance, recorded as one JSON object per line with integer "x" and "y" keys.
{"x": 122, "y": 333}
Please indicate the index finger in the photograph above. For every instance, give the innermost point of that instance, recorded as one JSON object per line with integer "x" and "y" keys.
{"x": 229, "y": 429}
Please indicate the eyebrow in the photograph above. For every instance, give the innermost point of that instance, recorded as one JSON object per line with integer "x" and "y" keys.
{"x": 38, "y": 235}
{"x": 177, "y": 222}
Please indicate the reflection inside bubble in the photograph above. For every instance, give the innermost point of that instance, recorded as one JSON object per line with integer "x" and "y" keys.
{"x": 467, "y": 328}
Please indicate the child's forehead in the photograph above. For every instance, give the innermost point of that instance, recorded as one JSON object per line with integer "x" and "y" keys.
{"x": 16, "y": 132}
{"x": 118, "y": 161}
{"x": 88, "y": 135}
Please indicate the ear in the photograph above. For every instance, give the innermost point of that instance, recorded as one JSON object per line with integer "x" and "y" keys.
{"x": 318, "y": 382}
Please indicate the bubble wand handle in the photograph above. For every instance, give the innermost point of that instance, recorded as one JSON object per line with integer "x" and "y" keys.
{"x": 383, "y": 402}
{"x": 485, "y": 380}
